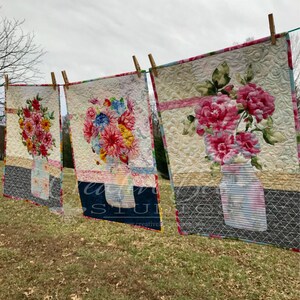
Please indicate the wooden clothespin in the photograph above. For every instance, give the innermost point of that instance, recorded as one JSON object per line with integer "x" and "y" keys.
{"x": 272, "y": 29}
{"x": 153, "y": 64}
{"x": 6, "y": 81}
{"x": 65, "y": 77}
{"x": 53, "y": 80}
{"x": 137, "y": 66}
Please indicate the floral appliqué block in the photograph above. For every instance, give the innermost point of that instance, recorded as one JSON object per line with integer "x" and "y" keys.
{"x": 230, "y": 127}
{"x": 108, "y": 128}
{"x": 33, "y": 158}
{"x": 35, "y": 122}
{"x": 111, "y": 135}
{"x": 229, "y": 119}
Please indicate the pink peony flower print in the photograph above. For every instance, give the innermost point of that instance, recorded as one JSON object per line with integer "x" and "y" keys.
{"x": 29, "y": 127}
{"x": 39, "y": 133}
{"x": 217, "y": 113}
{"x": 47, "y": 140}
{"x": 36, "y": 118}
{"x": 247, "y": 144}
{"x": 221, "y": 147}
{"x": 256, "y": 101}
{"x": 91, "y": 113}
{"x": 127, "y": 119}
{"x": 88, "y": 130}
{"x": 113, "y": 142}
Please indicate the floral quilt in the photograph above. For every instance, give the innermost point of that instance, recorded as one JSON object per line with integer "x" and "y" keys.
{"x": 111, "y": 135}
{"x": 33, "y": 165}
{"x": 231, "y": 129}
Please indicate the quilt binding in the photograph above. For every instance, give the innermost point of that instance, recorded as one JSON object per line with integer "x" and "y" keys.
{"x": 152, "y": 145}
{"x": 296, "y": 118}
{"x": 60, "y": 210}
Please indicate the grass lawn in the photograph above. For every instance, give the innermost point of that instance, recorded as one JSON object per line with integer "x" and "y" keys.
{"x": 45, "y": 256}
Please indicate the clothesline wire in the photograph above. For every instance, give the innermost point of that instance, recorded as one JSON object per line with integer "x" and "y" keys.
{"x": 293, "y": 29}
{"x": 148, "y": 72}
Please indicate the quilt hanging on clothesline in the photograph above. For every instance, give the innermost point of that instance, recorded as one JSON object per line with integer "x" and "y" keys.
{"x": 230, "y": 125}
{"x": 33, "y": 165}
{"x": 111, "y": 135}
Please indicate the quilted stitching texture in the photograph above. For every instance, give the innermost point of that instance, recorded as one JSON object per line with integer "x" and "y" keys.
{"x": 200, "y": 211}
{"x": 17, "y": 180}
{"x": 197, "y": 194}
{"x": 116, "y": 178}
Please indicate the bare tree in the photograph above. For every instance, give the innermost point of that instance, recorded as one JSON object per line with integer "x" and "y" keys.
{"x": 19, "y": 55}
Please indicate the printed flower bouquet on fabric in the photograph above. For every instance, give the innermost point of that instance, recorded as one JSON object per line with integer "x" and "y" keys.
{"x": 230, "y": 125}
{"x": 35, "y": 122}
{"x": 111, "y": 137}
{"x": 108, "y": 128}
{"x": 230, "y": 119}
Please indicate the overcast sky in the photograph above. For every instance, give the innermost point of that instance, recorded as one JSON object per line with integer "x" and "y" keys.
{"x": 94, "y": 38}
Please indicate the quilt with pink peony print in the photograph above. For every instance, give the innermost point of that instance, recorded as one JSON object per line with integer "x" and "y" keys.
{"x": 33, "y": 164}
{"x": 231, "y": 129}
{"x": 111, "y": 135}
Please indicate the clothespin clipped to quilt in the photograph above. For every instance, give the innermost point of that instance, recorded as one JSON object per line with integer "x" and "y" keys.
{"x": 272, "y": 29}
{"x": 6, "y": 81}
{"x": 153, "y": 64}
{"x": 137, "y": 66}
{"x": 65, "y": 77}
{"x": 53, "y": 80}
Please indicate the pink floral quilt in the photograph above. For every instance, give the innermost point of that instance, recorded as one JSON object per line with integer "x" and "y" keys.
{"x": 231, "y": 129}
{"x": 33, "y": 160}
{"x": 111, "y": 134}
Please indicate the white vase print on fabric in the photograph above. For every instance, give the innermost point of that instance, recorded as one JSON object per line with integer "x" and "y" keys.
{"x": 230, "y": 126}
{"x": 35, "y": 121}
{"x": 242, "y": 197}
{"x": 33, "y": 160}
{"x": 40, "y": 178}
{"x": 120, "y": 192}
{"x": 111, "y": 135}
{"x": 109, "y": 129}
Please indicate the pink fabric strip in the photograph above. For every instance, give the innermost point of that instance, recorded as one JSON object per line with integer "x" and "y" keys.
{"x": 180, "y": 103}
{"x": 142, "y": 180}
{"x": 54, "y": 163}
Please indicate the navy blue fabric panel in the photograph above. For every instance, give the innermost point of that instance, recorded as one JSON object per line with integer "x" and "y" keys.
{"x": 145, "y": 213}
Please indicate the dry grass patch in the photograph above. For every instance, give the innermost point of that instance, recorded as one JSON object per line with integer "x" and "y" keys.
{"x": 46, "y": 256}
